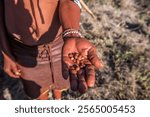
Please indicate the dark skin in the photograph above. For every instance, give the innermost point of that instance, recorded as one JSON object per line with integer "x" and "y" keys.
{"x": 9, "y": 65}
{"x": 86, "y": 49}
{"x": 82, "y": 46}
{"x": 68, "y": 19}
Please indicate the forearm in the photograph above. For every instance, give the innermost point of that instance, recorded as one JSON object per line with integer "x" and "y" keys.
{"x": 69, "y": 14}
{"x": 4, "y": 45}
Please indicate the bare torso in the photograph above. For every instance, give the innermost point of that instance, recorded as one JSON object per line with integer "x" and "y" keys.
{"x": 33, "y": 21}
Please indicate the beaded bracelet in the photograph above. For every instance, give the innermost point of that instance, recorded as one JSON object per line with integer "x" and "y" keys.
{"x": 72, "y": 33}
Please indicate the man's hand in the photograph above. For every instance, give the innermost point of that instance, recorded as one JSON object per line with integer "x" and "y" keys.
{"x": 85, "y": 76}
{"x": 10, "y": 67}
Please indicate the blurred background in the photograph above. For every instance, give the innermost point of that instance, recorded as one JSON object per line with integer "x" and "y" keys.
{"x": 121, "y": 33}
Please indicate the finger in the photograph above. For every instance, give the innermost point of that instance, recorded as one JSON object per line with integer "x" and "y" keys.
{"x": 16, "y": 70}
{"x": 10, "y": 73}
{"x": 90, "y": 75}
{"x": 73, "y": 81}
{"x": 66, "y": 63}
{"x": 82, "y": 82}
{"x": 92, "y": 56}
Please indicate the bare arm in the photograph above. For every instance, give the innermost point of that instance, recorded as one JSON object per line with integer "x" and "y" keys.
{"x": 10, "y": 67}
{"x": 82, "y": 78}
{"x": 4, "y": 44}
{"x": 69, "y": 13}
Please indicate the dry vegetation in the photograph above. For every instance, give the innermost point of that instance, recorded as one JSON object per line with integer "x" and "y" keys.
{"x": 121, "y": 33}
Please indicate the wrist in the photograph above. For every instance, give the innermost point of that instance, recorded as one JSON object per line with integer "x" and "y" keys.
{"x": 8, "y": 56}
{"x": 71, "y": 33}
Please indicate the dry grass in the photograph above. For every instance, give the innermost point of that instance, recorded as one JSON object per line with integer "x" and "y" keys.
{"x": 121, "y": 34}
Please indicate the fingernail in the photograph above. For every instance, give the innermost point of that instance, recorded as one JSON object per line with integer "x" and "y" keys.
{"x": 99, "y": 65}
{"x": 17, "y": 73}
{"x": 90, "y": 83}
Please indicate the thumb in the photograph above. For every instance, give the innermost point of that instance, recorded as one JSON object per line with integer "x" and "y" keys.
{"x": 16, "y": 70}
{"x": 94, "y": 59}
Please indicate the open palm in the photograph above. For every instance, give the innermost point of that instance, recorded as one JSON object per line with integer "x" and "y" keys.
{"x": 84, "y": 77}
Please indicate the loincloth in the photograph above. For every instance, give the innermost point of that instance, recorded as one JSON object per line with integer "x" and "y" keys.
{"x": 40, "y": 67}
